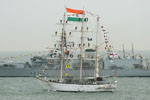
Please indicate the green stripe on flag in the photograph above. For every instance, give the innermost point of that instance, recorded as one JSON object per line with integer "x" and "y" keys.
{"x": 76, "y": 19}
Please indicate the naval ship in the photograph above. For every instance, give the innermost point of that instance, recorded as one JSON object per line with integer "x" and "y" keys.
{"x": 120, "y": 66}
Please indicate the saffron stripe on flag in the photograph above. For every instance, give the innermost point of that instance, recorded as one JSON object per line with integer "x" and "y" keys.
{"x": 74, "y": 11}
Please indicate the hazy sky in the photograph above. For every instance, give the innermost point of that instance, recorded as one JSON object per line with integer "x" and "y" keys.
{"x": 28, "y": 24}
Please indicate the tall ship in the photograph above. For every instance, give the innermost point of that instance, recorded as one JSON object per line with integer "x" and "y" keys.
{"x": 49, "y": 64}
{"x": 68, "y": 82}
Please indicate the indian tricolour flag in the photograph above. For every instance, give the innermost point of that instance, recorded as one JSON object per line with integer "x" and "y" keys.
{"x": 75, "y": 15}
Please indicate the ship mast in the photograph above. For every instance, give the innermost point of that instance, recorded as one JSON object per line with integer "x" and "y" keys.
{"x": 123, "y": 52}
{"x": 132, "y": 52}
{"x": 81, "y": 47}
{"x": 96, "y": 53}
{"x": 62, "y": 47}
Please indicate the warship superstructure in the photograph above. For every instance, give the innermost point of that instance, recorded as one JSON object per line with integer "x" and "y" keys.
{"x": 120, "y": 66}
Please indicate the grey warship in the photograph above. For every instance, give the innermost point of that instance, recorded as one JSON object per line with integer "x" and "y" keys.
{"x": 121, "y": 67}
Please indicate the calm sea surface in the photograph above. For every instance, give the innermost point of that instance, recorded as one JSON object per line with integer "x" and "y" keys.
{"x": 29, "y": 88}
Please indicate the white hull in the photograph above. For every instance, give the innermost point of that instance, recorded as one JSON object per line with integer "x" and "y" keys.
{"x": 62, "y": 87}
{"x": 82, "y": 88}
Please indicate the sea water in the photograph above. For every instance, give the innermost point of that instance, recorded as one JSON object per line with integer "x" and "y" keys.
{"x": 29, "y": 88}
